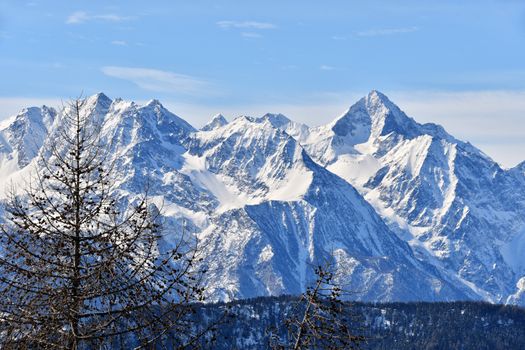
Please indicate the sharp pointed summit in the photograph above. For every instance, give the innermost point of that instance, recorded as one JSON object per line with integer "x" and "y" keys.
{"x": 95, "y": 105}
{"x": 296, "y": 130}
{"x": 154, "y": 103}
{"x": 99, "y": 99}
{"x": 375, "y": 115}
{"x": 520, "y": 168}
{"x": 154, "y": 111}
{"x": 216, "y": 122}
{"x": 277, "y": 120}
{"x": 25, "y": 134}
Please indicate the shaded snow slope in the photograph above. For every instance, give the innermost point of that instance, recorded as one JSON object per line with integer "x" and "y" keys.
{"x": 280, "y": 212}
{"x": 453, "y": 204}
{"x": 407, "y": 211}
{"x": 216, "y": 122}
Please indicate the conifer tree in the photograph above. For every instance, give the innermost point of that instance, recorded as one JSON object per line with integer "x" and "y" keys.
{"x": 320, "y": 319}
{"x": 81, "y": 267}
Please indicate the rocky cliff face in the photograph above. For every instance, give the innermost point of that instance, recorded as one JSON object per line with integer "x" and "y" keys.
{"x": 456, "y": 207}
{"x": 406, "y": 211}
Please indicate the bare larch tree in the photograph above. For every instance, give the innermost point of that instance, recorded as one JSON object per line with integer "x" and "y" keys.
{"x": 81, "y": 268}
{"x": 320, "y": 319}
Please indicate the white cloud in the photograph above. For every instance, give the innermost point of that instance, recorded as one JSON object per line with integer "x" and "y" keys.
{"x": 119, "y": 43}
{"x": 387, "y": 31}
{"x": 159, "y": 80}
{"x": 290, "y": 67}
{"x": 80, "y": 17}
{"x": 246, "y": 24}
{"x": 326, "y": 67}
{"x": 251, "y": 35}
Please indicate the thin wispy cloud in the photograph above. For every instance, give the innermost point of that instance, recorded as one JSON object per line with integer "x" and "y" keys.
{"x": 338, "y": 37}
{"x": 290, "y": 67}
{"x": 119, "y": 43}
{"x": 160, "y": 80}
{"x": 251, "y": 35}
{"x": 80, "y": 17}
{"x": 387, "y": 31}
{"x": 246, "y": 25}
{"x": 326, "y": 67}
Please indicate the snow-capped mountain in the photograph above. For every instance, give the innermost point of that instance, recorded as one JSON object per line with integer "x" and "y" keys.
{"x": 279, "y": 212}
{"x": 216, "y": 122}
{"x": 407, "y": 211}
{"x": 519, "y": 169}
{"x": 22, "y": 136}
{"x": 456, "y": 207}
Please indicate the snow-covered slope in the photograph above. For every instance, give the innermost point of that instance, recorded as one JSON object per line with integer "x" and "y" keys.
{"x": 268, "y": 197}
{"x": 22, "y": 136}
{"x": 519, "y": 170}
{"x": 279, "y": 212}
{"x": 456, "y": 207}
{"x": 216, "y": 122}
{"x": 297, "y": 130}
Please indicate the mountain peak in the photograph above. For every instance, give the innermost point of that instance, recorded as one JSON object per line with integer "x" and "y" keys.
{"x": 216, "y": 122}
{"x": 376, "y": 94}
{"x": 30, "y": 111}
{"x": 98, "y": 103}
{"x": 520, "y": 167}
{"x": 277, "y": 120}
{"x": 99, "y": 98}
{"x": 154, "y": 103}
{"x": 243, "y": 119}
{"x": 376, "y": 99}
{"x": 244, "y": 186}
{"x": 379, "y": 100}
{"x": 154, "y": 111}
{"x": 36, "y": 115}
{"x": 27, "y": 131}
{"x": 376, "y": 113}
{"x": 101, "y": 95}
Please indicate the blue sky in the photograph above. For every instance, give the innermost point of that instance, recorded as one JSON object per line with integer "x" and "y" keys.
{"x": 458, "y": 63}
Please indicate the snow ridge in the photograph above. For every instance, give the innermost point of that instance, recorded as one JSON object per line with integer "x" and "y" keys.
{"x": 404, "y": 210}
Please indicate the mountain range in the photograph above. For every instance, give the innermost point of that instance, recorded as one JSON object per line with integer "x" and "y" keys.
{"x": 403, "y": 210}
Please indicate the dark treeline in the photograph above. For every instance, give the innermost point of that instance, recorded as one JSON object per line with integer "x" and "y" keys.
{"x": 417, "y": 325}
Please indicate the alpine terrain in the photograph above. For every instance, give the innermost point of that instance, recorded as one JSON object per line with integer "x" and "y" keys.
{"x": 406, "y": 211}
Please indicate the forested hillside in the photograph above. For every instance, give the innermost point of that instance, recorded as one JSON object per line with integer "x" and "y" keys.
{"x": 454, "y": 325}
